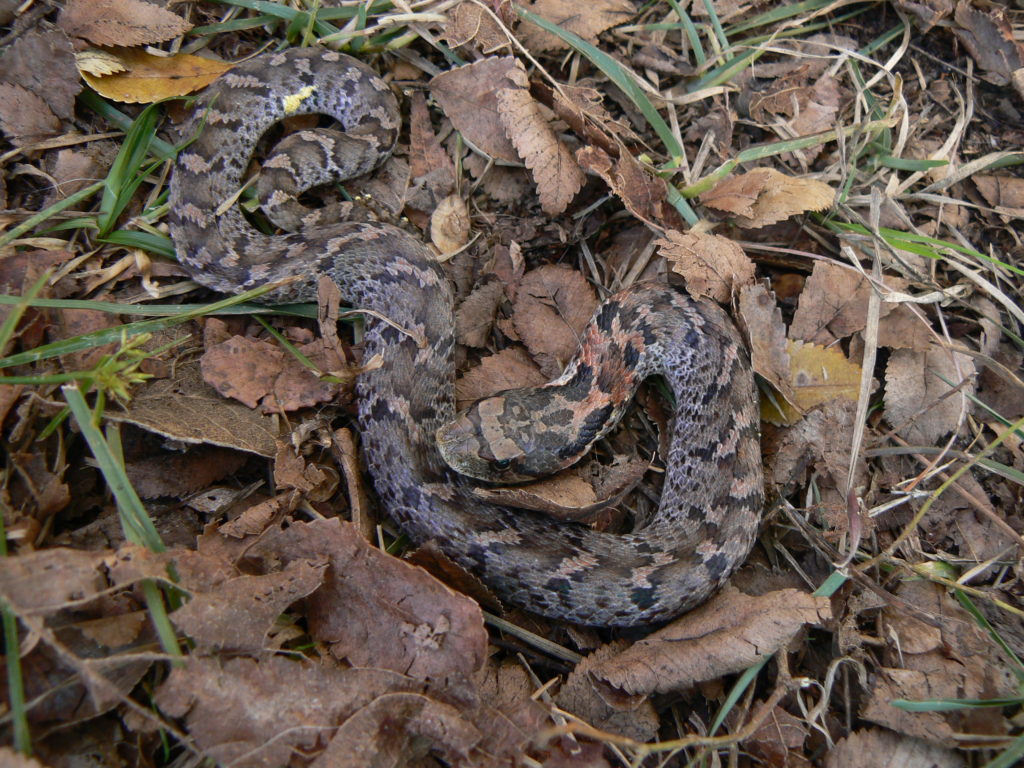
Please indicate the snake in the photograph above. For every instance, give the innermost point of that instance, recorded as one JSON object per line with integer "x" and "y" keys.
{"x": 424, "y": 459}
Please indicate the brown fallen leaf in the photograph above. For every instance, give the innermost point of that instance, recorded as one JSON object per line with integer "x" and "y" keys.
{"x": 569, "y": 15}
{"x": 552, "y": 307}
{"x": 918, "y": 400}
{"x": 179, "y": 474}
{"x": 25, "y": 117}
{"x": 552, "y": 165}
{"x": 879, "y": 748}
{"x": 48, "y": 580}
{"x": 989, "y": 37}
{"x": 120, "y": 22}
{"x": 469, "y": 24}
{"x": 1004, "y": 193}
{"x": 449, "y": 226}
{"x": 376, "y": 610}
{"x": 762, "y": 317}
{"x": 510, "y": 368}
{"x": 764, "y": 196}
{"x": 474, "y": 318}
{"x": 186, "y": 408}
{"x": 711, "y": 265}
{"x": 469, "y": 97}
{"x": 725, "y": 635}
{"x": 146, "y": 78}
{"x": 300, "y": 703}
{"x": 643, "y": 194}
{"x": 817, "y": 375}
{"x": 57, "y": 83}
{"x": 633, "y": 716}
{"x": 779, "y": 740}
{"x": 237, "y": 614}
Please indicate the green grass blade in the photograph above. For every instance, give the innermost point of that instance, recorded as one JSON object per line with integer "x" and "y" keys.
{"x": 15, "y": 680}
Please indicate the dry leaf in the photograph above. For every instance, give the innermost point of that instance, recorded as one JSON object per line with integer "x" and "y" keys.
{"x": 57, "y": 83}
{"x": 552, "y": 307}
{"x": 120, "y": 22}
{"x": 588, "y": 22}
{"x": 25, "y": 117}
{"x": 449, "y": 225}
{"x": 918, "y": 402}
{"x": 879, "y": 748}
{"x": 711, "y": 265}
{"x": 556, "y": 173}
{"x": 147, "y": 78}
{"x": 764, "y": 196}
{"x": 990, "y": 39}
{"x": 468, "y": 23}
{"x": 1004, "y": 193}
{"x": 766, "y": 331}
{"x": 469, "y": 97}
{"x": 817, "y": 375}
{"x": 834, "y": 304}
{"x": 643, "y": 194}
{"x": 510, "y": 368}
{"x": 474, "y": 319}
{"x": 727, "y": 634}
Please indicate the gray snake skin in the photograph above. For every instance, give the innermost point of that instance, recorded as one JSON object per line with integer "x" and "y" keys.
{"x": 712, "y": 497}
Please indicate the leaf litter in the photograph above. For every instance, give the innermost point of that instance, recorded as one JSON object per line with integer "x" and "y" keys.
{"x": 861, "y": 228}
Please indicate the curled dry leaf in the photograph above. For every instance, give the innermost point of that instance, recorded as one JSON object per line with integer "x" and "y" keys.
{"x": 643, "y": 194}
{"x": 376, "y": 610}
{"x": 817, "y": 375}
{"x": 552, "y": 165}
{"x": 449, "y": 225}
{"x": 469, "y": 97}
{"x": 633, "y": 716}
{"x": 711, "y": 265}
{"x": 766, "y": 333}
{"x": 764, "y": 196}
{"x": 552, "y": 307}
{"x": 919, "y": 402}
{"x": 120, "y": 22}
{"x": 146, "y": 78}
{"x": 725, "y": 635}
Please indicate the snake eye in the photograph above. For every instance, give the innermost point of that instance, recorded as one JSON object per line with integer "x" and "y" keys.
{"x": 501, "y": 464}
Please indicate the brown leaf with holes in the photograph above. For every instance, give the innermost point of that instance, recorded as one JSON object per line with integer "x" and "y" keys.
{"x": 510, "y": 368}
{"x": 237, "y": 614}
{"x": 727, "y": 634}
{"x": 816, "y": 375}
{"x": 376, "y": 610}
{"x": 469, "y": 97}
{"x": 551, "y": 310}
{"x": 919, "y": 401}
{"x": 552, "y": 165}
{"x": 120, "y": 22}
{"x": 25, "y": 117}
{"x": 711, "y": 265}
{"x": 144, "y": 78}
{"x": 764, "y": 196}
{"x": 586, "y": 21}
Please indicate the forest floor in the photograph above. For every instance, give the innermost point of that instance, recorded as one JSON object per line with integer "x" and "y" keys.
{"x": 195, "y": 565}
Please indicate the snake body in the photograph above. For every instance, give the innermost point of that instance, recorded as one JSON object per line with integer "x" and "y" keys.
{"x": 712, "y": 497}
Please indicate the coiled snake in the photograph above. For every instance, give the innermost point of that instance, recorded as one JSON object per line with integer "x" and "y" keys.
{"x": 712, "y": 496}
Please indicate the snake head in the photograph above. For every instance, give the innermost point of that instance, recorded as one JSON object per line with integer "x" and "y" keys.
{"x": 501, "y": 439}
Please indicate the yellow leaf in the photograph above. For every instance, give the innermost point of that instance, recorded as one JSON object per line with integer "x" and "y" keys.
{"x": 148, "y": 78}
{"x": 817, "y": 374}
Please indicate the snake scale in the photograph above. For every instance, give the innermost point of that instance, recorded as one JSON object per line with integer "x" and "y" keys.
{"x": 711, "y": 503}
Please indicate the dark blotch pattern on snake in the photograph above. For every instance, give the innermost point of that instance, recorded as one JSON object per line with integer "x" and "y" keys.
{"x": 712, "y": 497}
